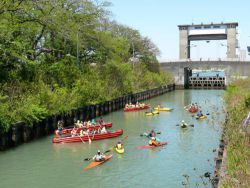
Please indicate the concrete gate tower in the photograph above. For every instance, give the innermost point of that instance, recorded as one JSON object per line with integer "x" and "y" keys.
{"x": 222, "y": 31}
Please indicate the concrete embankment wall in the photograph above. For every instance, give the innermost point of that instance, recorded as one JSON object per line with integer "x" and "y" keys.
{"x": 20, "y": 132}
{"x": 220, "y": 161}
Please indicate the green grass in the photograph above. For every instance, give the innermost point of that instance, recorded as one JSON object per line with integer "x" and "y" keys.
{"x": 238, "y": 148}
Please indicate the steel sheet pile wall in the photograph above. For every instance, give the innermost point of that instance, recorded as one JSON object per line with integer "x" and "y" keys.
{"x": 20, "y": 132}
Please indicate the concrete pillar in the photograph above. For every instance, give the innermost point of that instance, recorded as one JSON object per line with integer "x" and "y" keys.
{"x": 183, "y": 43}
{"x": 231, "y": 41}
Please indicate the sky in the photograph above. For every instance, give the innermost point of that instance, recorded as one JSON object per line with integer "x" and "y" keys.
{"x": 158, "y": 20}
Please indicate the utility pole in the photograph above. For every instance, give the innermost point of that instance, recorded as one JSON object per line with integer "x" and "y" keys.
{"x": 133, "y": 54}
{"x": 77, "y": 50}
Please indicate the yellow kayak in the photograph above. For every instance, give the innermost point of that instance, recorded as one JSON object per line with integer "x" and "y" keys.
{"x": 152, "y": 113}
{"x": 201, "y": 117}
{"x": 164, "y": 109}
{"x": 119, "y": 150}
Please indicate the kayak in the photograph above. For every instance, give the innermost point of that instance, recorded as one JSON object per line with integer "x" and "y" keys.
{"x": 91, "y": 128}
{"x": 152, "y": 113}
{"x": 164, "y": 109}
{"x": 97, "y": 136}
{"x": 200, "y": 117}
{"x": 120, "y": 151}
{"x": 146, "y": 106}
{"x": 94, "y": 163}
{"x": 149, "y": 146}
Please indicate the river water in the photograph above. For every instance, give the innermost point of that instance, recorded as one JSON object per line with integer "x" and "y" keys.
{"x": 42, "y": 164}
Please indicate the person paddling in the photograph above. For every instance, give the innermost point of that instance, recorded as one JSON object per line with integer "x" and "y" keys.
{"x": 99, "y": 156}
{"x": 74, "y": 132}
{"x": 192, "y": 107}
{"x": 103, "y": 130}
{"x": 199, "y": 114}
{"x": 183, "y": 124}
{"x": 100, "y": 121}
{"x": 152, "y": 133}
{"x": 119, "y": 145}
{"x": 93, "y": 121}
{"x": 153, "y": 142}
{"x": 89, "y": 123}
{"x": 59, "y": 130}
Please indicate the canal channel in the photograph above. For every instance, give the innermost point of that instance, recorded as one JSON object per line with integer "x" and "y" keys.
{"x": 188, "y": 155}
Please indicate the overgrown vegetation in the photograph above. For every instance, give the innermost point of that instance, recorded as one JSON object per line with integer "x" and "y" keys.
{"x": 58, "y": 55}
{"x": 238, "y": 148}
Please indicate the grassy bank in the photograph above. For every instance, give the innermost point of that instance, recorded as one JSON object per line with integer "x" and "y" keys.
{"x": 238, "y": 148}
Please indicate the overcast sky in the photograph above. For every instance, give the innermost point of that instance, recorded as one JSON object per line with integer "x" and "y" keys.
{"x": 158, "y": 19}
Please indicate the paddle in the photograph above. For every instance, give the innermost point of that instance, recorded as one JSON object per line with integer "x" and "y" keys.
{"x": 93, "y": 135}
{"x": 81, "y": 139}
{"x": 114, "y": 146}
{"x": 89, "y": 139}
{"x": 191, "y": 125}
{"x": 159, "y": 132}
{"x": 87, "y": 159}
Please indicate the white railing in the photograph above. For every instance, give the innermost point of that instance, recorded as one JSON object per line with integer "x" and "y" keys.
{"x": 205, "y": 60}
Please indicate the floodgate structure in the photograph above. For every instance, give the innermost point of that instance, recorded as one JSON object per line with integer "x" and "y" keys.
{"x": 216, "y": 74}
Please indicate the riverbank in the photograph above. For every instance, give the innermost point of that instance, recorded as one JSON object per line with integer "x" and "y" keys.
{"x": 21, "y": 132}
{"x": 50, "y": 66}
{"x": 235, "y": 168}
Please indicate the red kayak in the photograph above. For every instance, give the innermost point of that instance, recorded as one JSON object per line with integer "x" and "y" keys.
{"x": 146, "y": 106}
{"x": 97, "y": 136}
{"x": 149, "y": 146}
{"x": 91, "y": 128}
{"x": 94, "y": 163}
{"x": 193, "y": 110}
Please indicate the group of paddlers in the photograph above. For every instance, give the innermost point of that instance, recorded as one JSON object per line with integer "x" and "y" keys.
{"x": 137, "y": 104}
{"x": 192, "y": 107}
{"x": 87, "y": 124}
{"x": 84, "y": 128}
{"x": 83, "y": 132}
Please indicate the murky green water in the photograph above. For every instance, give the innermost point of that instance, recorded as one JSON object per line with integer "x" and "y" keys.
{"x": 42, "y": 164}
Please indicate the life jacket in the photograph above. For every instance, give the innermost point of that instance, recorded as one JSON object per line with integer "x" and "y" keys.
{"x": 119, "y": 146}
{"x": 98, "y": 157}
{"x": 103, "y": 130}
{"x": 153, "y": 143}
{"x": 81, "y": 133}
{"x": 183, "y": 125}
{"x": 199, "y": 114}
